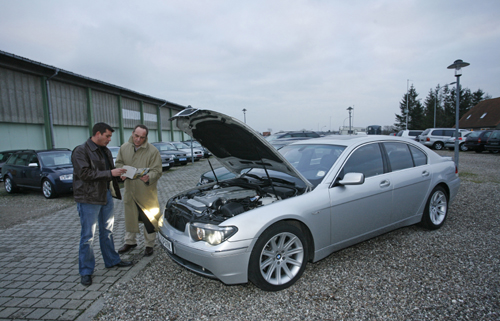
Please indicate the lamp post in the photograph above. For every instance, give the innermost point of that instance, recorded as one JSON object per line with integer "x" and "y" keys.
{"x": 457, "y": 65}
{"x": 436, "y": 99}
{"x": 350, "y": 110}
{"x": 244, "y": 115}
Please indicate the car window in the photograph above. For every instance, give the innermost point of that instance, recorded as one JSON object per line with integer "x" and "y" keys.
{"x": 399, "y": 156}
{"x": 312, "y": 161}
{"x": 495, "y": 134}
{"x": 437, "y": 132}
{"x": 419, "y": 157}
{"x": 367, "y": 160}
{"x": 426, "y": 132}
{"x": 450, "y": 133}
{"x": 400, "y": 133}
{"x": 22, "y": 159}
{"x": 33, "y": 159}
{"x": 62, "y": 158}
{"x": 4, "y": 157}
{"x": 312, "y": 135}
{"x": 411, "y": 133}
{"x": 12, "y": 160}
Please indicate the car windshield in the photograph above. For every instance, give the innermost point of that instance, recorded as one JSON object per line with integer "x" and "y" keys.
{"x": 312, "y": 161}
{"x": 180, "y": 145}
{"x": 54, "y": 159}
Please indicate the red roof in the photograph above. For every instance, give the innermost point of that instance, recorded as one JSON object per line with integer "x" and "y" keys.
{"x": 486, "y": 114}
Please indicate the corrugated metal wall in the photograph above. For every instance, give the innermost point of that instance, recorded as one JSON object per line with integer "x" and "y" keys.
{"x": 69, "y": 104}
{"x": 20, "y": 97}
{"x": 105, "y": 108}
{"x": 24, "y": 109}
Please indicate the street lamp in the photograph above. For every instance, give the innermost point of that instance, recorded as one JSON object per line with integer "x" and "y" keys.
{"x": 350, "y": 109}
{"x": 457, "y": 65}
{"x": 436, "y": 99}
{"x": 244, "y": 115}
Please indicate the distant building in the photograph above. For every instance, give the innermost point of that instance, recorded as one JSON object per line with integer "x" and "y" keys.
{"x": 485, "y": 115}
{"x": 44, "y": 107}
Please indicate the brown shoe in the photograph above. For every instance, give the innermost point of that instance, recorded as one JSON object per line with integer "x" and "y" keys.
{"x": 148, "y": 251}
{"x": 126, "y": 248}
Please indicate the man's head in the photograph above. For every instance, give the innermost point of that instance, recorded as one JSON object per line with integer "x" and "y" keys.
{"x": 139, "y": 135}
{"x": 101, "y": 134}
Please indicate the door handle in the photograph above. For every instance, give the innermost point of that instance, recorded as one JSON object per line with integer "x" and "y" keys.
{"x": 385, "y": 183}
{"x": 425, "y": 173}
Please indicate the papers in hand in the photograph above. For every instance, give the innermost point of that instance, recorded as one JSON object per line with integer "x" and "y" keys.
{"x": 134, "y": 173}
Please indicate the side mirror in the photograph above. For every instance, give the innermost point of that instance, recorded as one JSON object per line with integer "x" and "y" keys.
{"x": 353, "y": 179}
{"x": 33, "y": 165}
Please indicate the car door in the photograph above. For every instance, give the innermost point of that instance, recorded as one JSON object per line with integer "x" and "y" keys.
{"x": 410, "y": 177}
{"x": 32, "y": 176}
{"x": 359, "y": 211}
{"x": 18, "y": 168}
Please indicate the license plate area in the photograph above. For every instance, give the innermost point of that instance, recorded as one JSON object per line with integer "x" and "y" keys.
{"x": 166, "y": 243}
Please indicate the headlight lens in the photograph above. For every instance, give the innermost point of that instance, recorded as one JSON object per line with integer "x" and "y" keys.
{"x": 67, "y": 177}
{"x": 212, "y": 234}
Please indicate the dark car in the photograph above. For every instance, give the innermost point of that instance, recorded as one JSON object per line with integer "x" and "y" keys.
{"x": 477, "y": 139}
{"x": 179, "y": 157}
{"x": 493, "y": 143}
{"x": 48, "y": 170}
{"x": 4, "y": 155}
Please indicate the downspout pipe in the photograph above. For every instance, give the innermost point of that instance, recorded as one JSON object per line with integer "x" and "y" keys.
{"x": 49, "y": 104}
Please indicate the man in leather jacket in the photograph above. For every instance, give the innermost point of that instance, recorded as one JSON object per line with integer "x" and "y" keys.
{"x": 94, "y": 185}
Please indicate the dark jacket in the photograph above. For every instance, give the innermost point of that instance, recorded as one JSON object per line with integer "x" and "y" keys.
{"x": 90, "y": 177}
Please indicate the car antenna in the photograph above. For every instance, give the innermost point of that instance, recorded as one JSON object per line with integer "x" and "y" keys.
{"x": 265, "y": 168}
{"x": 211, "y": 167}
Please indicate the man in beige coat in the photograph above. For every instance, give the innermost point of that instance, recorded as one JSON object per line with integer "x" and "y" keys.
{"x": 141, "y": 195}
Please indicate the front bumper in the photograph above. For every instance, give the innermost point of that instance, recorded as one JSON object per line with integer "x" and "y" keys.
{"x": 227, "y": 262}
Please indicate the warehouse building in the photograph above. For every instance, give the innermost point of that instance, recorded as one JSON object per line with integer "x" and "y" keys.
{"x": 43, "y": 107}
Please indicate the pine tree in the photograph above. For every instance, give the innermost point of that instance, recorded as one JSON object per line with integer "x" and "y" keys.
{"x": 415, "y": 114}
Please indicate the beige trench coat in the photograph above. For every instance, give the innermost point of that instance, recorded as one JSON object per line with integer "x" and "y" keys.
{"x": 136, "y": 191}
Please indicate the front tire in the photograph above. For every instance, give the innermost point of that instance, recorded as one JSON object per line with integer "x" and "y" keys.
{"x": 48, "y": 189}
{"x": 436, "y": 209}
{"x": 278, "y": 258}
{"x": 463, "y": 148}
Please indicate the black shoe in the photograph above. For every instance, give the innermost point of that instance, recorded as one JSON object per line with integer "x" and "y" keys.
{"x": 123, "y": 264}
{"x": 148, "y": 251}
{"x": 126, "y": 248}
{"x": 86, "y": 280}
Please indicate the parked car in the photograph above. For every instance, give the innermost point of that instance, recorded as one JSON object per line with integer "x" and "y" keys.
{"x": 178, "y": 157}
{"x": 300, "y": 203}
{"x": 292, "y": 134}
{"x": 196, "y": 153}
{"x": 493, "y": 143}
{"x": 450, "y": 142}
{"x": 114, "y": 151}
{"x": 206, "y": 152}
{"x": 477, "y": 139}
{"x": 410, "y": 133}
{"x": 436, "y": 137}
{"x": 50, "y": 171}
{"x": 4, "y": 155}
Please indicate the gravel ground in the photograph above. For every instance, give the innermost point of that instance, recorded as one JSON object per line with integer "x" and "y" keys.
{"x": 408, "y": 274}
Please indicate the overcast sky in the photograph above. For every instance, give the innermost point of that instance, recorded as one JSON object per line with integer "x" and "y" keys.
{"x": 291, "y": 64}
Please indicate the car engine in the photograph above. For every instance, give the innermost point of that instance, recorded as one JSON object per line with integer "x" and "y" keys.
{"x": 215, "y": 203}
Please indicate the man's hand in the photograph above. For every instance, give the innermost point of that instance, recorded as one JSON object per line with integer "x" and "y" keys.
{"x": 145, "y": 178}
{"x": 118, "y": 172}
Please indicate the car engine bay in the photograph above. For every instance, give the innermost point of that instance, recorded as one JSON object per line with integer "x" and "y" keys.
{"x": 217, "y": 202}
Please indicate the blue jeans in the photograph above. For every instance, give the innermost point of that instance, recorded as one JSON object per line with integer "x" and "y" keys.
{"x": 90, "y": 215}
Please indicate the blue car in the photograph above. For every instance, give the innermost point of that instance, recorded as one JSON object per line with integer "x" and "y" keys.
{"x": 50, "y": 171}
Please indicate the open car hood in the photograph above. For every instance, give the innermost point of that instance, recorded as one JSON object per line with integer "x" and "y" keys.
{"x": 233, "y": 143}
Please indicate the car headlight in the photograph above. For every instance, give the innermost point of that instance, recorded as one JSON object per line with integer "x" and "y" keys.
{"x": 212, "y": 234}
{"x": 67, "y": 177}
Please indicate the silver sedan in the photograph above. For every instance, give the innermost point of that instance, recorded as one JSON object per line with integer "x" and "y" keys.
{"x": 299, "y": 204}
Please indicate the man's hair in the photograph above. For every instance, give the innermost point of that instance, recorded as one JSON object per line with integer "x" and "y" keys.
{"x": 101, "y": 128}
{"x": 143, "y": 127}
